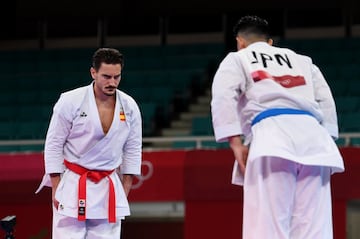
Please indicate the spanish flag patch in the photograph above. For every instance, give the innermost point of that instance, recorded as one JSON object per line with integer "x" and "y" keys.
{"x": 122, "y": 116}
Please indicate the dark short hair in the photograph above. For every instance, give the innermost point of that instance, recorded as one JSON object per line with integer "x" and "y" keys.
{"x": 107, "y": 56}
{"x": 252, "y": 25}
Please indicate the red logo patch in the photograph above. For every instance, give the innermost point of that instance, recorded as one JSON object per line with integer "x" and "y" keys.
{"x": 286, "y": 81}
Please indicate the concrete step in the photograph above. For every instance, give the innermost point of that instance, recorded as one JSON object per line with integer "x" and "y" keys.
{"x": 175, "y": 132}
{"x": 182, "y": 127}
{"x": 201, "y": 108}
{"x": 181, "y": 124}
{"x": 190, "y": 115}
{"x": 204, "y": 100}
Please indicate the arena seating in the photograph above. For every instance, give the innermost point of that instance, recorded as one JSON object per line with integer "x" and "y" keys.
{"x": 162, "y": 79}
{"x": 156, "y": 76}
{"x": 339, "y": 61}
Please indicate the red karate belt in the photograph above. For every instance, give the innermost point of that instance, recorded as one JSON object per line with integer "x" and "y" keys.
{"x": 95, "y": 176}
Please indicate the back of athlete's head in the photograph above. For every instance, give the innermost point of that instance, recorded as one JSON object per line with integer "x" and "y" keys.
{"x": 107, "y": 56}
{"x": 252, "y": 26}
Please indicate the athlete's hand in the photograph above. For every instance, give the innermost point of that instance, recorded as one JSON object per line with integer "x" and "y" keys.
{"x": 54, "y": 201}
{"x": 240, "y": 152}
{"x": 55, "y": 179}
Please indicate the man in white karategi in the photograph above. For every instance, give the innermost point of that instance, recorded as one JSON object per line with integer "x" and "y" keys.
{"x": 93, "y": 148}
{"x": 279, "y": 103}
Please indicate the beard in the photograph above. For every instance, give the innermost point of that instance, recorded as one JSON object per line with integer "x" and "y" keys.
{"x": 109, "y": 91}
{"x": 109, "y": 94}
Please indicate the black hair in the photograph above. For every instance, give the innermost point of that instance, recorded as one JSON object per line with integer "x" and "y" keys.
{"x": 252, "y": 25}
{"x": 107, "y": 56}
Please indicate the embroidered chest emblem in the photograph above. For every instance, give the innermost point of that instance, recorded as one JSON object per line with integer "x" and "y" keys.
{"x": 122, "y": 116}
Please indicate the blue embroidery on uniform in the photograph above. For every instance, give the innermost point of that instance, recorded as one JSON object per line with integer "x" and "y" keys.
{"x": 278, "y": 111}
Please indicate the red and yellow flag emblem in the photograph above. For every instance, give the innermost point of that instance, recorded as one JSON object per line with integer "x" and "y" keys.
{"x": 122, "y": 116}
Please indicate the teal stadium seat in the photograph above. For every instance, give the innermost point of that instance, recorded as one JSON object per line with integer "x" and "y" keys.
{"x": 9, "y": 148}
{"x": 355, "y": 142}
{"x": 150, "y": 63}
{"x": 204, "y": 144}
{"x": 184, "y": 145}
{"x": 49, "y": 97}
{"x": 132, "y": 78}
{"x": 50, "y": 81}
{"x": 354, "y": 87}
{"x": 215, "y": 145}
{"x": 6, "y": 97}
{"x": 330, "y": 72}
{"x": 339, "y": 87}
{"x": 31, "y": 148}
{"x": 163, "y": 97}
{"x": 139, "y": 93}
{"x": 329, "y": 57}
{"x": 7, "y": 130}
{"x": 347, "y": 104}
{"x": 73, "y": 80}
{"x": 340, "y": 142}
{"x": 188, "y": 49}
{"x": 31, "y": 130}
{"x": 349, "y": 71}
{"x": 349, "y": 122}
{"x": 8, "y": 113}
{"x": 33, "y": 113}
{"x": 27, "y": 97}
{"x": 202, "y": 126}
{"x": 148, "y": 112}
{"x": 7, "y": 67}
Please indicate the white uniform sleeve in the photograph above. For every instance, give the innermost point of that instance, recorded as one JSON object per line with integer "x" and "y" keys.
{"x": 132, "y": 155}
{"x": 59, "y": 128}
{"x": 326, "y": 102}
{"x": 226, "y": 89}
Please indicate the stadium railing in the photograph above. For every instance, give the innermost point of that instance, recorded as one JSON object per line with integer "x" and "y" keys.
{"x": 198, "y": 142}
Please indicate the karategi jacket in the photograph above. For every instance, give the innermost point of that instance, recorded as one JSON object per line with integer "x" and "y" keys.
{"x": 261, "y": 77}
{"x": 75, "y": 134}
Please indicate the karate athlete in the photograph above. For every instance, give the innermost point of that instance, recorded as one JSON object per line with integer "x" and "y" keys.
{"x": 276, "y": 110}
{"x": 92, "y": 150}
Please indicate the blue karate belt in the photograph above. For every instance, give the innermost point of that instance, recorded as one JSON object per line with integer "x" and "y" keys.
{"x": 278, "y": 111}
